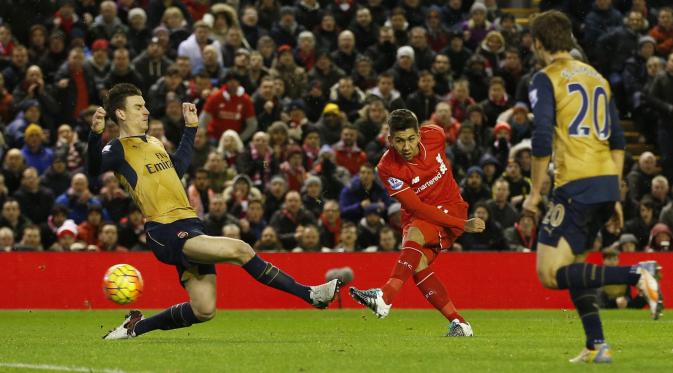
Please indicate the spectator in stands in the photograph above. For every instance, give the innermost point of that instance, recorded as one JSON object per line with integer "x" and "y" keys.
{"x": 660, "y": 239}
{"x": 491, "y": 239}
{"x": 69, "y": 146}
{"x": 364, "y": 30}
{"x": 106, "y": 23}
{"x": 225, "y": 18}
{"x": 348, "y": 238}
{"x": 31, "y": 113}
{"x": 201, "y": 150}
{"x": 37, "y": 43}
{"x": 362, "y": 192}
{"x": 108, "y": 239}
{"x": 519, "y": 187}
{"x": 48, "y": 229}
{"x": 12, "y": 218}
{"x": 330, "y": 124}
{"x": 509, "y": 29}
{"x": 217, "y": 215}
{"x": 641, "y": 225}
{"x": 387, "y": 241}
{"x": 138, "y": 33}
{"x": 75, "y": 87}
{"x": 404, "y": 72}
{"x": 34, "y": 151}
{"x": 6, "y": 239}
{"x": 501, "y": 146}
{"x": 30, "y": 240}
{"x": 423, "y": 54}
{"x": 348, "y": 97}
{"x": 230, "y": 146}
{"x": 88, "y": 230}
{"x": 347, "y": 152}
{"x": 67, "y": 238}
{"x": 666, "y": 216}
{"x": 33, "y": 87}
{"x": 310, "y": 241}
{"x": 311, "y": 195}
{"x": 511, "y": 71}
{"x": 460, "y": 99}
{"x": 437, "y": 33}
{"x": 629, "y": 205}
{"x": 253, "y": 223}
{"x": 370, "y": 226}
{"x": 661, "y": 97}
{"x": 345, "y": 55}
{"x": 98, "y": 64}
{"x": 491, "y": 167}
{"x": 269, "y": 241}
{"x": 36, "y": 201}
{"x": 114, "y": 199}
{"x": 644, "y": 115}
{"x": 383, "y": 53}
{"x": 267, "y": 104}
{"x": 466, "y": 151}
{"x": 330, "y": 224}
{"x": 152, "y": 64}
{"x": 499, "y": 208}
{"x": 477, "y": 76}
{"x": 6, "y": 103}
{"x": 231, "y": 231}
{"x": 78, "y": 198}
{"x": 521, "y": 237}
{"x": 477, "y": 26}
{"x": 373, "y": 115}
{"x": 397, "y": 20}
{"x": 475, "y": 116}
{"x": 293, "y": 168}
{"x": 385, "y": 90}
{"x": 492, "y": 48}
{"x": 663, "y": 31}
{"x": 640, "y": 178}
{"x": 259, "y": 161}
{"x": 239, "y": 193}
{"x": 473, "y": 189}
{"x": 660, "y": 193}
{"x": 601, "y": 19}
{"x": 290, "y": 220}
{"x": 285, "y": 68}
{"x": 12, "y": 170}
{"x": 498, "y": 101}
{"x": 55, "y": 57}
{"x": 519, "y": 121}
{"x": 131, "y": 230}
{"x": 423, "y": 100}
{"x": 121, "y": 71}
{"x": 194, "y": 45}
{"x": 16, "y": 70}
{"x": 441, "y": 71}
{"x": 229, "y": 108}
{"x": 325, "y": 71}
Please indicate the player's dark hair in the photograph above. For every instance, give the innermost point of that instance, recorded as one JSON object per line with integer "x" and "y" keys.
{"x": 116, "y": 98}
{"x": 402, "y": 119}
{"x": 554, "y": 30}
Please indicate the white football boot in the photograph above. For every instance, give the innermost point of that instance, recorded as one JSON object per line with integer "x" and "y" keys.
{"x": 373, "y": 299}
{"x": 125, "y": 330}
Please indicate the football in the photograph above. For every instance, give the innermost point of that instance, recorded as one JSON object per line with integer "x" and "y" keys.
{"x": 122, "y": 284}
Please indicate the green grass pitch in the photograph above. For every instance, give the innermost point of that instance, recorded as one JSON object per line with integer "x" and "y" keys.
{"x": 331, "y": 341}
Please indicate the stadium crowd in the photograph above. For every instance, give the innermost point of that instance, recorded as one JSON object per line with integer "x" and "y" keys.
{"x": 294, "y": 96}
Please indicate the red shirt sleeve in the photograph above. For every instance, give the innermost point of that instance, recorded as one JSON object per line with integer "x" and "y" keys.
{"x": 415, "y": 207}
{"x": 394, "y": 184}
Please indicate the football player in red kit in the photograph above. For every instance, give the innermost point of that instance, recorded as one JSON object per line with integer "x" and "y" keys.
{"x": 416, "y": 172}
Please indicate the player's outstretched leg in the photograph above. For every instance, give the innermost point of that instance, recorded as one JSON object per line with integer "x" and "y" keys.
{"x": 208, "y": 249}
{"x": 435, "y": 293}
{"x": 591, "y": 276}
{"x": 380, "y": 300}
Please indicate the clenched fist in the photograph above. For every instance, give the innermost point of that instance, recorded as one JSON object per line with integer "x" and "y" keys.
{"x": 474, "y": 225}
{"x": 98, "y": 121}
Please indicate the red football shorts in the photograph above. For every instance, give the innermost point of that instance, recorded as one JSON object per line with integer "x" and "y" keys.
{"x": 436, "y": 237}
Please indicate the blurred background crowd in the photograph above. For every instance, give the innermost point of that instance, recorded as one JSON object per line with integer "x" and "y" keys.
{"x": 294, "y": 96}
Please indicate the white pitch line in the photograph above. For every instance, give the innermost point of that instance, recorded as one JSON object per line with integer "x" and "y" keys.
{"x": 59, "y": 368}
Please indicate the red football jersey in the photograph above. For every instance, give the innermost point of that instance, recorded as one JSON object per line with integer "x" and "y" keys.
{"x": 428, "y": 175}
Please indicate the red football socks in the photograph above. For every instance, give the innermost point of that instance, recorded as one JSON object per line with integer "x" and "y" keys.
{"x": 434, "y": 291}
{"x": 404, "y": 268}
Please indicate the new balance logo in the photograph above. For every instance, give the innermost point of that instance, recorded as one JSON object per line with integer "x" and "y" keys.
{"x": 415, "y": 180}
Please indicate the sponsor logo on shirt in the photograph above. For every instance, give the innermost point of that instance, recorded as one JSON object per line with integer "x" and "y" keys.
{"x": 395, "y": 184}
{"x": 415, "y": 180}
{"x": 442, "y": 170}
